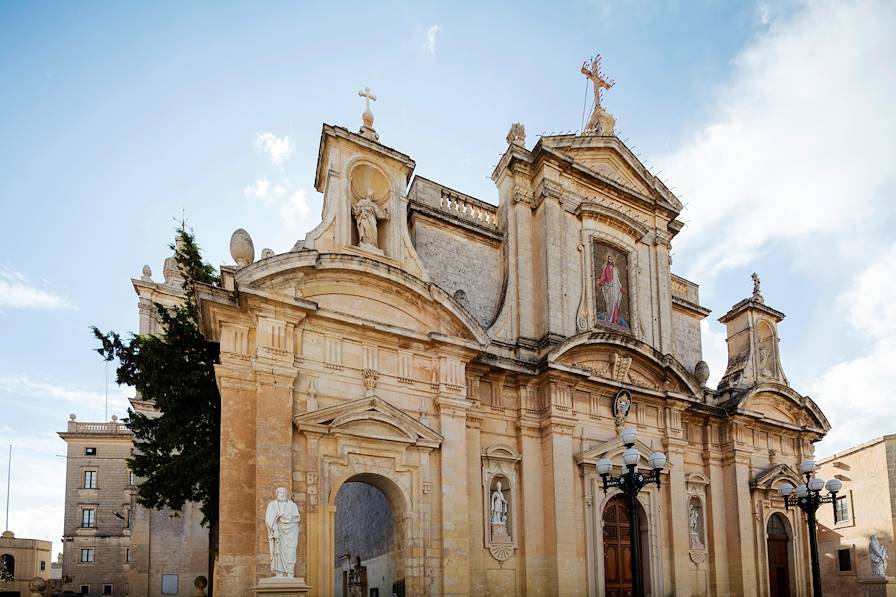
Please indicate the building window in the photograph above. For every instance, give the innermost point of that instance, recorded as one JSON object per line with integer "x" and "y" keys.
{"x": 127, "y": 554}
{"x": 85, "y": 590}
{"x": 88, "y": 518}
{"x": 43, "y": 565}
{"x": 841, "y": 511}
{"x": 107, "y": 589}
{"x": 86, "y": 555}
{"x": 844, "y": 560}
{"x": 7, "y": 567}
{"x": 89, "y": 479}
{"x": 169, "y": 584}
{"x": 132, "y": 478}
{"x": 90, "y": 451}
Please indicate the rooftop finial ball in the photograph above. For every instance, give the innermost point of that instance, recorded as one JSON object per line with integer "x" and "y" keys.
{"x": 242, "y": 248}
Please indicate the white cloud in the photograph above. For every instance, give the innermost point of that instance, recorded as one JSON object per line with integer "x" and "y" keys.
{"x": 23, "y": 387}
{"x": 857, "y": 393}
{"x": 279, "y": 148}
{"x": 16, "y": 292}
{"x": 715, "y": 350}
{"x": 260, "y": 190}
{"x": 430, "y": 44}
{"x": 801, "y": 141}
{"x": 295, "y": 209}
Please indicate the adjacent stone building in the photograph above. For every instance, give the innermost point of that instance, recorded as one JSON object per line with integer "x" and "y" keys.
{"x": 21, "y": 560}
{"x": 866, "y": 506}
{"x": 464, "y": 362}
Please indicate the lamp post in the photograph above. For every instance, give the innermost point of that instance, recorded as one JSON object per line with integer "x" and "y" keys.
{"x": 630, "y": 483}
{"x": 808, "y": 498}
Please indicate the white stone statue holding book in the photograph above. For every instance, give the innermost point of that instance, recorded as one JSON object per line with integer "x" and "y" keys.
{"x": 282, "y": 519}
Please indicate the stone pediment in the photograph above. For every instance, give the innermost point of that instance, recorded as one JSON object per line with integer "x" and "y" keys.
{"x": 610, "y": 159}
{"x": 370, "y": 418}
{"x": 613, "y": 450}
{"x": 769, "y": 477}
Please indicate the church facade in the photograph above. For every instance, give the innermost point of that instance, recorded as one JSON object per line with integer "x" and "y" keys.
{"x": 433, "y": 379}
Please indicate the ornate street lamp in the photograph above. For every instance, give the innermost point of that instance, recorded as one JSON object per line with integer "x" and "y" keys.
{"x": 808, "y": 499}
{"x": 630, "y": 483}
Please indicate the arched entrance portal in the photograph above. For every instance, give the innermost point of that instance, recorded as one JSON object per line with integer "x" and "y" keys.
{"x": 618, "y": 550}
{"x": 778, "y": 556}
{"x": 369, "y": 538}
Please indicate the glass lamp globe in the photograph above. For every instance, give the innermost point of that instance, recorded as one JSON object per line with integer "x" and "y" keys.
{"x": 631, "y": 456}
{"x": 785, "y": 489}
{"x": 604, "y": 466}
{"x": 802, "y": 490}
{"x": 657, "y": 460}
{"x": 629, "y": 435}
{"x": 834, "y": 485}
{"x": 815, "y": 484}
{"x": 807, "y": 466}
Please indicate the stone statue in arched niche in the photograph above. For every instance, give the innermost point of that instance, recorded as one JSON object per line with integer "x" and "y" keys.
{"x": 367, "y": 215}
{"x": 499, "y": 509}
{"x": 695, "y": 524}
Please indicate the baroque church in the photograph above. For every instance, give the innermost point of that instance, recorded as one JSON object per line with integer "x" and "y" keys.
{"x": 433, "y": 380}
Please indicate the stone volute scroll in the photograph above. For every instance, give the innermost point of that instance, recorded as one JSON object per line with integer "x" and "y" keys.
{"x": 500, "y": 486}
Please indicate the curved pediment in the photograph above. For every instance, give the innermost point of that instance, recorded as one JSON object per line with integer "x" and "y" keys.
{"x": 361, "y": 288}
{"x": 622, "y": 359}
{"x": 782, "y": 404}
{"x": 370, "y": 418}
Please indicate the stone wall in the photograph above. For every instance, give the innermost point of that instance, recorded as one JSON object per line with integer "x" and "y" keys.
{"x": 364, "y": 514}
{"x": 464, "y": 266}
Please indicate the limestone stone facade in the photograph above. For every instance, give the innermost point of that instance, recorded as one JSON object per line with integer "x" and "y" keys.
{"x": 21, "y": 560}
{"x": 868, "y": 474}
{"x": 464, "y": 349}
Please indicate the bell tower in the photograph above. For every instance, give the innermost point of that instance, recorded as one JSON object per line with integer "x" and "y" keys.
{"x": 364, "y": 186}
{"x": 752, "y": 339}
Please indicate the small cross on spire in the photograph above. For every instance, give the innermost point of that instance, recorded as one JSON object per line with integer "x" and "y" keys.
{"x": 367, "y": 129}
{"x": 365, "y": 93}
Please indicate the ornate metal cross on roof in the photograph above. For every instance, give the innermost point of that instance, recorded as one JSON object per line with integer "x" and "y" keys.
{"x": 594, "y": 73}
{"x": 365, "y": 93}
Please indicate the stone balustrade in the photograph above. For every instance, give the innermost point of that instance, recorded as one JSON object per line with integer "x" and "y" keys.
{"x": 467, "y": 208}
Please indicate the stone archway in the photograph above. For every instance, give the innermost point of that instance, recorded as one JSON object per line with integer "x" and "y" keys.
{"x": 778, "y": 542}
{"x": 369, "y": 537}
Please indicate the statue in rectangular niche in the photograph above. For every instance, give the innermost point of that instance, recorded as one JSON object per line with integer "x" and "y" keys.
{"x": 611, "y": 281}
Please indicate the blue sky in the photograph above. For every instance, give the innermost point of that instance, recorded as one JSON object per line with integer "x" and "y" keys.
{"x": 774, "y": 122}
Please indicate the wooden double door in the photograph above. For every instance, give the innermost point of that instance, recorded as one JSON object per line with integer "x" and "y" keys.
{"x": 618, "y": 549}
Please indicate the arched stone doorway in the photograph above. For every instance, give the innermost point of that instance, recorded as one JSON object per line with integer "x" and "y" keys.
{"x": 778, "y": 543}
{"x": 369, "y": 538}
{"x": 618, "y": 551}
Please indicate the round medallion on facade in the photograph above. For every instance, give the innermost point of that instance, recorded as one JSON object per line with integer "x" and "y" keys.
{"x": 621, "y": 405}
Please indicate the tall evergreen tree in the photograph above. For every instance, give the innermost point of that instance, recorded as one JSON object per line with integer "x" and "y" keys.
{"x": 176, "y": 452}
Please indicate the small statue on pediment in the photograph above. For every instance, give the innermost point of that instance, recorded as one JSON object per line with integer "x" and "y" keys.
{"x": 367, "y": 215}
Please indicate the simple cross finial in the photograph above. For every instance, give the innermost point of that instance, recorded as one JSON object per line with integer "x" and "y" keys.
{"x": 594, "y": 73}
{"x": 365, "y": 93}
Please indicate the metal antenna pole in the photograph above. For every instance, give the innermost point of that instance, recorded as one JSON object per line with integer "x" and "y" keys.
{"x": 8, "y": 477}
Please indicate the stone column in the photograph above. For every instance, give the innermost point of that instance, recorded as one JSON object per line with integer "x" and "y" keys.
{"x": 680, "y": 541}
{"x": 273, "y": 455}
{"x": 664, "y": 273}
{"x": 235, "y": 566}
{"x": 476, "y": 514}
{"x": 531, "y": 523}
{"x": 715, "y": 493}
{"x": 455, "y": 502}
{"x": 739, "y": 511}
{"x": 564, "y": 560}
